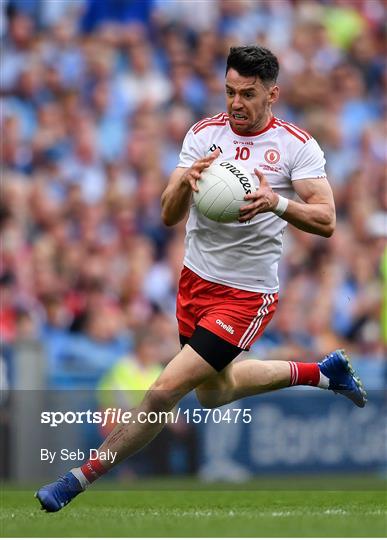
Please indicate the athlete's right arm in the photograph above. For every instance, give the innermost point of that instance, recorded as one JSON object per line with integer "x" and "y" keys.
{"x": 176, "y": 198}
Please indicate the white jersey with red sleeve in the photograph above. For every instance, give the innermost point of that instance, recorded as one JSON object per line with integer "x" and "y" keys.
{"x": 246, "y": 255}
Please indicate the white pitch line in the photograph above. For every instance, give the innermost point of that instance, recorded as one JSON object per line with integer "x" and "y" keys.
{"x": 248, "y": 513}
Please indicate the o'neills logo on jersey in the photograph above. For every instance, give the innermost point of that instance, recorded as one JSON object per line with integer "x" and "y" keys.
{"x": 244, "y": 181}
{"x": 249, "y": 143}
{"x": 225, "y": 326}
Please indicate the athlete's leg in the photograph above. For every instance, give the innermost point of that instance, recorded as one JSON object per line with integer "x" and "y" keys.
{"x": 250, "y": 377}
{"x": 184, "y": 372}
{"x": 242, "y": 379}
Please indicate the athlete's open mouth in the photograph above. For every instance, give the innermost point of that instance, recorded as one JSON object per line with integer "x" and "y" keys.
{"x": 239, "y": 116}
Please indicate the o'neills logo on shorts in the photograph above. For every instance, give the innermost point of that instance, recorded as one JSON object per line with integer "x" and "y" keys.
{"x": 244, "y": 181}
{"x": 225, "y": 326}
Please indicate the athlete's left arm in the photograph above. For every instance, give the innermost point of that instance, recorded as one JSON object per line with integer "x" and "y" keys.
{"x": 316, "y": 214}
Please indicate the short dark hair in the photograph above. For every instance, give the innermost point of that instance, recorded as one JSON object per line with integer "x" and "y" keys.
{"x": 254, "y": 61}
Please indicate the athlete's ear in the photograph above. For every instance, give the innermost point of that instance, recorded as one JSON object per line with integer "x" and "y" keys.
{"x": 273, "y": 94}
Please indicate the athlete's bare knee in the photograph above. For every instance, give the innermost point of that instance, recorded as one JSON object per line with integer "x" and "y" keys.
{"x": 209, "y": 398}
{"x": 163, "y": 395}
{"x": 217, "y": 391}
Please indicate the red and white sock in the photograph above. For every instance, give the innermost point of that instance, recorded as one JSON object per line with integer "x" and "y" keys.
{"x": 302, "y": 373}
{"x": 89, "y": 472}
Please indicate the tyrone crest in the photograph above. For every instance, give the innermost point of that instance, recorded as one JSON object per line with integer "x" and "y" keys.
{"x": 272, "y": 156}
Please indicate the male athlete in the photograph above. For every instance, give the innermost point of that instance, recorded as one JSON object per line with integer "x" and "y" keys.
{"x": 228, "y": 289}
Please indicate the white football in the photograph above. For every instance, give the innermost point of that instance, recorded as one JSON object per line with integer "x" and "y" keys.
{"x": 222, "y": 188}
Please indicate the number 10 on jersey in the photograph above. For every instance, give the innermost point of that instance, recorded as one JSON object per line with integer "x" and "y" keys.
{"x": 242, "y": 153}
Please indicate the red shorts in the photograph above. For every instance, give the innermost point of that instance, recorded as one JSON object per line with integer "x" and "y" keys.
{"x": 236, "y": 316}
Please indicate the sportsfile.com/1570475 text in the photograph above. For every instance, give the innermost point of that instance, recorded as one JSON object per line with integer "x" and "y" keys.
{"x": 113, "y": 415}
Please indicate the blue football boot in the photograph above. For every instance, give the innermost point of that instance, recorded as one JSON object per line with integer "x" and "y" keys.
{"x": 342, "y": 378}
{"x": 53, "y": 497}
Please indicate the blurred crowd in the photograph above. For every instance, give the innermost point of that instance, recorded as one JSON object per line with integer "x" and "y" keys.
{"x": 96, "y": 98}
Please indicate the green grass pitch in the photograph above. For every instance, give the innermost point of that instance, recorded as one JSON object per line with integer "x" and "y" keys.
{"x": 167, "y": 509}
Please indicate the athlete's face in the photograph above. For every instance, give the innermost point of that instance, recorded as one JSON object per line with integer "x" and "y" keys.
{"x": 249, "y": 102}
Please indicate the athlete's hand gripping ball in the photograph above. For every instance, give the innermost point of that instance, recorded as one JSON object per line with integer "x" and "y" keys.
{"x": 192, "y": 175}
{"x": 264, "y": 199}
